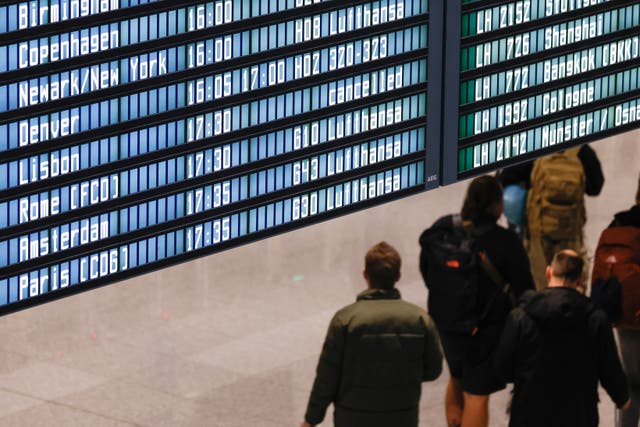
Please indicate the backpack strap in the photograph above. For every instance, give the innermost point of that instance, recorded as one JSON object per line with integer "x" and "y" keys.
{"x": 496, "y": 277}
{"x": 485, "y": 262}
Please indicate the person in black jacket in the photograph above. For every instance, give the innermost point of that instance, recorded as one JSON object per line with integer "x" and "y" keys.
{"x": 555, "y": 347}
{"x": 629, "y": 339}
{"x": 470, "y": 356}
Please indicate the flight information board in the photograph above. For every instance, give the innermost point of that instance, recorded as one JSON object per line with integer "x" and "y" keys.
{"x": 137, "y": 134}
{"x": 535, "y": 76}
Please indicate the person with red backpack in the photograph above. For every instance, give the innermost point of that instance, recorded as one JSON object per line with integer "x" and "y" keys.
{"x": 616, "y": 287}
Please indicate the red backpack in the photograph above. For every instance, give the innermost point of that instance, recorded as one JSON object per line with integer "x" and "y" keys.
{"x": 618, "y": 257}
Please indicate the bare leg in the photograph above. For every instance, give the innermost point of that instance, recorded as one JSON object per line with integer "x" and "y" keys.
{"x": 476, "y": 410}
{"x": 453, "y": 403}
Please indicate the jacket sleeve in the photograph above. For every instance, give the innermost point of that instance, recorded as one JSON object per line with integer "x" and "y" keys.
{"x": 505, "y": 356}
{"x": 432, "y": 356}
{"x": 592, "y": 170}
{"x": 610, "y": 371}
{"x": 328, "y": 373}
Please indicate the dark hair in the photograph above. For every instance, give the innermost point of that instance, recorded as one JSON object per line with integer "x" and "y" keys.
{"x": 482, "y": 194}
{"x": 382, "y": 264}
{"x": 638, "y": 193}
{"x": 567, "y": 265}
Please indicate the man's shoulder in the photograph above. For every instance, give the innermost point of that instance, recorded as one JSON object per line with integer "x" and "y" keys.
{"x": 401, "y": 308}
{"x": 345, "y": 312}
{"x": 597, "y": 316}
{"x": 412, "y": 309}
{"x": 404, "y": 304}
{"x": 519, "y": 316}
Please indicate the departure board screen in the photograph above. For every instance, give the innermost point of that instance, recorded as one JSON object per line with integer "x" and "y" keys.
{"x": 137, "y": 134}
{"x": 537, "y": 76}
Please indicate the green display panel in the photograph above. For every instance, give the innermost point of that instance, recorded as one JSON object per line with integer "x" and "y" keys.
{"x": 537, "y": 76}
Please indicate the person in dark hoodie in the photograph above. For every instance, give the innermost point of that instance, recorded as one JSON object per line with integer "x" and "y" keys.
{"x": 555, "y": 347}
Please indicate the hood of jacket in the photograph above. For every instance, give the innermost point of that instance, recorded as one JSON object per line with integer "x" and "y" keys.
{"x": 557, "y": 307}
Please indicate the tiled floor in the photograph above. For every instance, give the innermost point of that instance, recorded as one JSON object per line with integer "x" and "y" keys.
{"x": 233, "y": 339}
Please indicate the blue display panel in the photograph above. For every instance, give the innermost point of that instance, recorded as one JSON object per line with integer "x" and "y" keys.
{"x": 151, "y": 132}
{"x": 210, "y": 88}
{"x": 51, "y": 240}
{"x": 538, "y": 76}
{"x": 178, "y": 242}
{"x": 30, "y": 14}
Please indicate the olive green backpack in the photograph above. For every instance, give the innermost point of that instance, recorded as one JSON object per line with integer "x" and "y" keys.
{"x": 555, "y": 203}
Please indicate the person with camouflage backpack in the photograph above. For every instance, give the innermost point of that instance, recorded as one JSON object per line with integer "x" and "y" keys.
{"x": 555, "y": 206}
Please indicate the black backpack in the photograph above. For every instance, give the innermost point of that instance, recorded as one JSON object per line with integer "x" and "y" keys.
{"x": 451, "y": 264}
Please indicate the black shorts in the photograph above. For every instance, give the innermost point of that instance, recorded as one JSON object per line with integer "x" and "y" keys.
{"x": 470, "y": 360}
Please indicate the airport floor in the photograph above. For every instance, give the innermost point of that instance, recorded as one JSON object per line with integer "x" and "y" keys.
{"x": 233, "y": 339}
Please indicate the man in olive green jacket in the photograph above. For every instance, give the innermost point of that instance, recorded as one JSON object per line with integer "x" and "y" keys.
{"x": 376, "y": 354}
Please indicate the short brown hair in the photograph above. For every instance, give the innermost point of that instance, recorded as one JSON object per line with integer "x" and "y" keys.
{"x": 567, "y": 265}
{"x": 382, "y": 265}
